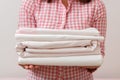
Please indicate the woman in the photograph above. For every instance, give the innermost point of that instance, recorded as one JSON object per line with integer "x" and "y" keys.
{"x": 62, "y": 14}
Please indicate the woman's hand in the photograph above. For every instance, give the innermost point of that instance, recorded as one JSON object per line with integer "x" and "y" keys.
{"x": 92, "y": 69}
{"x": 29, "y": 66}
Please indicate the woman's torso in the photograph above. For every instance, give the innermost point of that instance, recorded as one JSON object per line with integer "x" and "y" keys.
{"x": 55, "y": 16}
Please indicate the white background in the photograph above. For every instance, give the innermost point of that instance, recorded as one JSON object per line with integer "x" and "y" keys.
{"x": 8, "y": 24}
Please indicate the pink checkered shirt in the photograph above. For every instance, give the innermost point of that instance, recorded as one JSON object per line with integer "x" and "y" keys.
{"x": 40, "y": 14}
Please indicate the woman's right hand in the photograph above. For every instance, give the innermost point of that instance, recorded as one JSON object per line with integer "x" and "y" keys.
{"x": 29, "y": 66}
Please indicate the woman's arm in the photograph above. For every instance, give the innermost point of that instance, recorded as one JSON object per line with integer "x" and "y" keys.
{"x": 27, "y": 19}
{"x": 100, "y": 22}
{"x": 26, "y": 14}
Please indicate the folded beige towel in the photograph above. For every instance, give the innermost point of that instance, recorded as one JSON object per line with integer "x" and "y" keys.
{"x": 41, "y": 31}
{"x": 59, "y": 47}
{"x": 54, "y": 44}
{"x": 87, "y": 61}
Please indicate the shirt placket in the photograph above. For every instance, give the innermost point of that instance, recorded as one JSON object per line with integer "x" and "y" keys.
{"x": 64, "y": 13}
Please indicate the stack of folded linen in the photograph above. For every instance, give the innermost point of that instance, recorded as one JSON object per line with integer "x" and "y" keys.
{"x": 59, "y": 47}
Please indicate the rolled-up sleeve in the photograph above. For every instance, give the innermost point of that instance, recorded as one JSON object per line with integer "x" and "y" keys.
{"x": 100, "y": 22}
{"x": 26, "y": 14}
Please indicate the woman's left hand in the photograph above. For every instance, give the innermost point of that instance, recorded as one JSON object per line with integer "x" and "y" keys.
{"x": 91, "y": 70}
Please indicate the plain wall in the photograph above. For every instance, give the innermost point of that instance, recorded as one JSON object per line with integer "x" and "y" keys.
{"x": 8, "y": 24}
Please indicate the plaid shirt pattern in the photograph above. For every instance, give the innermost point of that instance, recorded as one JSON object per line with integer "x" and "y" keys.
{"x": 40, "y": 14}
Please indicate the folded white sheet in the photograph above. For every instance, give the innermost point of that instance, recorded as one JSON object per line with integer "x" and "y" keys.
{"x": 90, "y": 60}
{"x": 41, "y": 31}
{"x": 61, "y": 50}
{"x": 27, "y": 54}
{"x": 55, "y": 44}
{"x": 59, "y": 47}
{"x": 92, "y": 48}
{"x": 32, "y": 37}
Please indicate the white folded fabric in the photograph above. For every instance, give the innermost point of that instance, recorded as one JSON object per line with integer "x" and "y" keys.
{"x": 27, "y": 54}
{"x": 91, "y": 48}
{"x": 59, "y": 47}
{"x": 55, "y": 44}
{"x": 41, "y": 31}
{"x": 61, "y": 50}
{"x": 32, "y": 37}
{"x": 91, "y": 60}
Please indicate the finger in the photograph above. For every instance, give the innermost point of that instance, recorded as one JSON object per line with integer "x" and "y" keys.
{"x": 31, "y": 66}
{"x": 91, "y": 70}
{"x": 21, "y": 66}
{"x": 26, "y": 67}
{"x": 36, "y": 66}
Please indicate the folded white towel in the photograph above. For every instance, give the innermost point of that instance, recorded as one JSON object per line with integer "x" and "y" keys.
{"x": 59, "y": 47}
{"x": 90, "y": 48}
{"x": 32, "y": 37}
{"x": 90, "y": 60}
{"x": 28, "y": 54}
{"x": 41, "y": 31}
{"x": 62, "y": 50}
{"x": 55, "y": 44}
